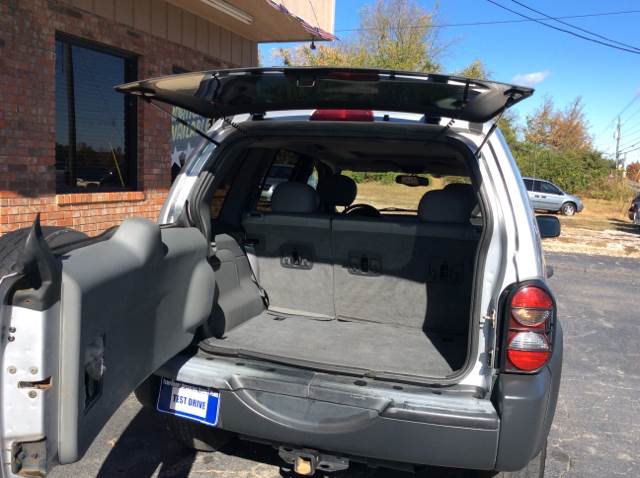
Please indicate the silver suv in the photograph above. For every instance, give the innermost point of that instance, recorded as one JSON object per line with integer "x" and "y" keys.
{"x": 335, "y": 330}
{"x": 546, "y": 196}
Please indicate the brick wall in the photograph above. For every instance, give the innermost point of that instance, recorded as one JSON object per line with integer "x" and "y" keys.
{"x": 27, "y": 117}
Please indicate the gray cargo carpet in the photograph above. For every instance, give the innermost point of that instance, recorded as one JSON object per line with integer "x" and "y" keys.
{"x": 357, "y": 345}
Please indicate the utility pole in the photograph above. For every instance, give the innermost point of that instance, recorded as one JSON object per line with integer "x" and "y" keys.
{"x": 618, "y": 143}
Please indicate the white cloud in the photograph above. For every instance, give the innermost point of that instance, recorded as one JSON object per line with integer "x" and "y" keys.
{"x": 531, "y": 79}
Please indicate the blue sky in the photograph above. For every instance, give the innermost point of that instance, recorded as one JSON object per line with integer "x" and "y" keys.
{"x": 562, "y": 66}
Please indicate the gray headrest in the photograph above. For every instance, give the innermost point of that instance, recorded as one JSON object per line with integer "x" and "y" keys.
{"x": 337, "y": 190}
{"x": 294, "y": 197}
{"x": 452, "y": 205}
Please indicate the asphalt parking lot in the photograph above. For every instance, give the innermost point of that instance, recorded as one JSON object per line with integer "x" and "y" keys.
{"x": 596, "y": 432}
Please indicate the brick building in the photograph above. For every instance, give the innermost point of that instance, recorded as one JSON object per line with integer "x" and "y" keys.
{"x": 85, "y": 156}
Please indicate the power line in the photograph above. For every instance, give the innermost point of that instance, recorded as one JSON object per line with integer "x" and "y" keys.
{"x": 630, "y": 144}
{"x": 635, "y": 112}
{"x": 630, "y": 150}
{"x": 619, "y": 113}
{"x": 629, "y": 138}
{"x": 502, "y": 22}
{"x": 314, "y": 14}
{"x": 633, "y": 132}
{"x": 577, "y": 35}
{"x": 575, "y": 26}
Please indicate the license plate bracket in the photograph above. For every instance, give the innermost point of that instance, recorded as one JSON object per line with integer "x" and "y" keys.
{"x": 188, "y": 401}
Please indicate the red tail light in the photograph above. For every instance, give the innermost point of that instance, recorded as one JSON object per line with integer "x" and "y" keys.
{"x": 531, "y": 313}
{"x": 342, "y": 115}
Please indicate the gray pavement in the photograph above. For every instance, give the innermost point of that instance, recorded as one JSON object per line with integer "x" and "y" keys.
{"x": 596, "y": 432}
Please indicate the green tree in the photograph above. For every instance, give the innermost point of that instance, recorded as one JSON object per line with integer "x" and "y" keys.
{"x": 565, "y": 130}
{"x": 393, "y": 34}
{"x": 508, "y": 124}
{"x": 476, "y": 70}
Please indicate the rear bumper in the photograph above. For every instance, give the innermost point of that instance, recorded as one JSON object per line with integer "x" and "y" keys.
{"x": 358, "y": 432}
{"x": 299, "y": 411}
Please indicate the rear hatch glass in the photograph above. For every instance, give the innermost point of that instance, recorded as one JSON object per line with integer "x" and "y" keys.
{"x": 223, "y": 93}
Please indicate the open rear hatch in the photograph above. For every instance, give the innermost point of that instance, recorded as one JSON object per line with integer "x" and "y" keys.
{"x": 221, "y": 93}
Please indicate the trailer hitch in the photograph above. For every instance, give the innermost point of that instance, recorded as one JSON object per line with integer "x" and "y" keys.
{"x": 306, "y": 462}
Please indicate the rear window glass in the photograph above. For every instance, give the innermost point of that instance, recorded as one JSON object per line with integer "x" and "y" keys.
{"x": 286, "y": 166}
{"x": 380, "y": 190}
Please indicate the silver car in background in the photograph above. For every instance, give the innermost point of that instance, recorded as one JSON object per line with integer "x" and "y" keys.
{"x": 544, "y": 195}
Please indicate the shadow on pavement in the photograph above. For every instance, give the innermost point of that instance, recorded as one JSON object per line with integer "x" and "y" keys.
{"x": 147, "y": 448}
{"x": 144, "y": 447}
{"x": 624, "y": 226}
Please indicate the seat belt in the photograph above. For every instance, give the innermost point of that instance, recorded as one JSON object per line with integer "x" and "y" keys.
{"x": 263, "y": 293}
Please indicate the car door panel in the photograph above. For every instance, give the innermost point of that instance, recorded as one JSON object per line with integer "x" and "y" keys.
{"x": 534, "y": 194}
{"x": 126, "y": 305}
{"x": 549, "y": 196}
{"x": 135, "y": 299}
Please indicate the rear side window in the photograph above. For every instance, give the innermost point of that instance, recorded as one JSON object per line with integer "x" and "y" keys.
{"x": 528, "y": 183}
{"x": 286, "y": 166}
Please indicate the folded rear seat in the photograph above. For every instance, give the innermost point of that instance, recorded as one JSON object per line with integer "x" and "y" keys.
{"x": 293, "y": 250}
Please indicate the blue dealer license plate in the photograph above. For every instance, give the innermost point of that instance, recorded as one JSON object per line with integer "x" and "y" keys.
{"x": 188, "y": 401}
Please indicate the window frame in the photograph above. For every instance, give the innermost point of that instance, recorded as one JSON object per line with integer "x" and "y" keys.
{"x": 130, "y": 132}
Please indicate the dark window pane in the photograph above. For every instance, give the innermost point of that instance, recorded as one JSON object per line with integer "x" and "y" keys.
{"x": 528, "y": 183}
{"x": 183, "y": 139}
{"x": 92, "y": 120}
{"x": 549, "y": 188}
{"x": 281, "y": 171}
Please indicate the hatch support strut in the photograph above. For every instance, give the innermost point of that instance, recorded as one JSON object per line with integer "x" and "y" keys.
{"x": 184, "y": 123}
{"x": 494, "y": 126}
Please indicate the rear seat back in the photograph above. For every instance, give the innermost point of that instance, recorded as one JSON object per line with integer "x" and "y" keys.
{"x": 414, "y": 272}
{"x": 293, "y": 250}
{"x": 377, "y": 275}
{"x": 418, "y": 273}
{"x": 446, "y": 232}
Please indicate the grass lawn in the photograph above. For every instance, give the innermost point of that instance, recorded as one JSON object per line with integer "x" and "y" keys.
{"x": 603, "y": 228}
{"x": 393, "y": 195}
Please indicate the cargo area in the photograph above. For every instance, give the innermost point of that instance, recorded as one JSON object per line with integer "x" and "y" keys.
{"x": 353, "y": 284}
{"x": 356, "y": 346}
